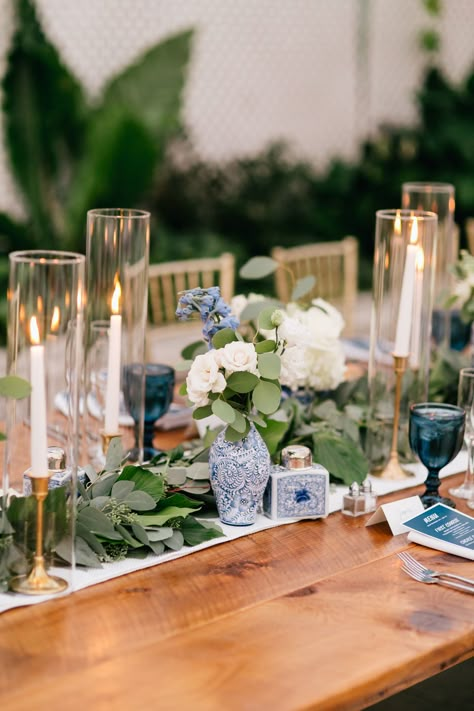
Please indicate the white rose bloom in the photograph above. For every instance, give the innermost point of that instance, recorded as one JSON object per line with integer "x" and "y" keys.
{"x": 204, "y": 377}
{"x": 238, "y": 356}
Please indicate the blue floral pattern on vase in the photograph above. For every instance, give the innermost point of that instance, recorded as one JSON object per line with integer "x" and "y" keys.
{"x": 239, "y": 472}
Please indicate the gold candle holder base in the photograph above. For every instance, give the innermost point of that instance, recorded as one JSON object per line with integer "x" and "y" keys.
{"x": 38, "y": 582}
{"x": 392, "y": 469}
{"x": 106, "y": 438}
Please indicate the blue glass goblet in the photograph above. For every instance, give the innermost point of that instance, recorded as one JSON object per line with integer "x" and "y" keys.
{"x": 159, "y": 384}
{"x": 436, "y": 435}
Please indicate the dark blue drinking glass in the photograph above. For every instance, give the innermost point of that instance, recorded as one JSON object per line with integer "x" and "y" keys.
{"x": 436, "y": 435}
{"x": 159, "y": 385}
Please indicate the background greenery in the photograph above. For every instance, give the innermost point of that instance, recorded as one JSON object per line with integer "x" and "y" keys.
{"x": 130, "y": 148}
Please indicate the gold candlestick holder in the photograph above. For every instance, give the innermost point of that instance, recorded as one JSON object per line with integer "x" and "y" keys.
{"x": 393, "y": 469}
{"x": 38, "y": 582}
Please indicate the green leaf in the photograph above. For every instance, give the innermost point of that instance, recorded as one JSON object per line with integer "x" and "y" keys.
{"x": 240, "y": 423}
{"x": 14, "y": 387}
{"x": 179, "y": 500}
{"x": 97, "y": 522}
{"x": 267, "y": 346}
{"x": 341, "y": 457}
{"x": 121, "y": 489}
{"x": 233, "y": 435}
{"x": 183, "y": 390}
{"x": 103, "y": 485}
{"x": 145, "y": 480}
{"x": 303, "y": 286}
{"x": 157, "y": 547}
{"x": 273, "y": 434}
{"x": 269, "y": 365}
{"x": 254, "y": 417}
{"x": 84, "y": 554}
{"x": 266, "y": 397}
{"x": 140, "y": 501}
{"x": 127, "y": 536}
{"x": 159, "y": 534}
{"x": 113, "y": 458}
{"x": 265, "y": 319}
{"x": 223, "y": 337}
{"x": 242, "y": 382}
{"x": 223, "y": 410}
{"x": 84, "y": 533}
{"x": 176, "y": 541}
{"x": 44, "y": 112}
{"x": 199, "y": 413}
{"x": 175, "y": 476}
{"x": 158, "y": 519}
{"x": 151, "y": 87}
{"x": 258, "y": 268}
{"x": 195, "y": 532}
{"x": 193, "y": 349}
{"x": 140, "y": 534}
{"x": 252, "y": 310}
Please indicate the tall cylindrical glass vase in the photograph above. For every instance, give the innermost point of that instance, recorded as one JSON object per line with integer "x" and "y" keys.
{"x": 45, "y": 346}
{"x": 400, "y": 327}
{"x": 440, "y": 199}
{"x": 117, "y": 301}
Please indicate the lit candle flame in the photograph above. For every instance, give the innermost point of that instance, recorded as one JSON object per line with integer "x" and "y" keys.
{"x": 34, "y": 331}
{"x": 55, "y": 319}
{"x": 116, "y": 298}
{"x": 414, "y": 232}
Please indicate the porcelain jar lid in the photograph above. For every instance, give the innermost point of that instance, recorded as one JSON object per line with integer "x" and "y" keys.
{"x": 296, "y": 456}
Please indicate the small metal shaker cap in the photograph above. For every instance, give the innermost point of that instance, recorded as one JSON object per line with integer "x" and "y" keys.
{"x": 296, "y": 456}
{"x": 354, "y": 489}
{"x": 367, "y": 486}
{"x": 56, "y": 459}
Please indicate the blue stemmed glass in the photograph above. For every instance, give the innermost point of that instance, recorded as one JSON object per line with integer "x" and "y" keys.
{"x": 159, "y": 384}
{"x": 436, "y": 435}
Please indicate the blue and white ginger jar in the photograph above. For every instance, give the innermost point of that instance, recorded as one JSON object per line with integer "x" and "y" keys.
{"x": 239, "y": 472}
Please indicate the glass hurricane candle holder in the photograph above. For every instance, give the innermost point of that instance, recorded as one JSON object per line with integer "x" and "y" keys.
{"x": 400, "y": 329}
{"x": 45, "y": 346}
{"x": 438, "y": 198}
{"x": 117, "y": 295}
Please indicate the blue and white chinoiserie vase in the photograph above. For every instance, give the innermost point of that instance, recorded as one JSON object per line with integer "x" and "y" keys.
{"x": 239, "y": 472}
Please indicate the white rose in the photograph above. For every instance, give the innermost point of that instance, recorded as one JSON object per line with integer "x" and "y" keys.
{"x": 204, "y": 377}
{"x": 237, "y": 356}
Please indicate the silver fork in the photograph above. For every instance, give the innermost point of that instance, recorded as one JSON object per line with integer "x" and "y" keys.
{"x": 422, "y": 578}
{"x": 415, "y": 565}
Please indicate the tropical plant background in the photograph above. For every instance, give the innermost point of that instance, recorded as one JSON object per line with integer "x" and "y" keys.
{"x": 130, "y": 145}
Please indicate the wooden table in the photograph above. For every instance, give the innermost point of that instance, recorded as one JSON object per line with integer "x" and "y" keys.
{"x": 312, "y": 615}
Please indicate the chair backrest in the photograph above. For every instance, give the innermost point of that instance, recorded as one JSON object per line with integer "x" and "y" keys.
{"x": 166, "y": 279}
{"x": 469, "y": 225}
{"x": 335, "y": 266}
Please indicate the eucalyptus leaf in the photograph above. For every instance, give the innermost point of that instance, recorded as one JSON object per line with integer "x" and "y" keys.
{"x": 84, "y": 555}
{"x": 176, "y": 476}
{"x": 241, "y": 382}
{"x": 176, "y": 541}
{"x": 90, "y": 473}
{"x": 14, "y": 387}
{"x": 157, "y": 547}
{"x": 103, "y": 486}
{"x": 199, "y": 413}
{"x": 232, "y": 435}
{"x": 266, "y": 397}
{"x": 84, "y": 533}
{"x": 193, "y": 349}
{"x": 223, "y": 337}
{"x": 113, "y": 458}
{"x": 121, "y": 489}
{"x": 267, "y": 346}
{"x": 198, "y": 470}
{"x": 98, "y": 502}
{"x": 253, "y": 308}
{"x": 179, "y": 500}
{"x": 223, "y": 410}
{"x": 240, "y": 423}
{"x": 158, "y": 534}
{"x": 269, "y": 365}
{"x": 258, "y": 268}
{"x": 265, "y": 319}
{"x": 303, "y": 286}
{"x": 97, "y": 522}
{"x": 140, "y": 501}
{"x": 127, "y": 536}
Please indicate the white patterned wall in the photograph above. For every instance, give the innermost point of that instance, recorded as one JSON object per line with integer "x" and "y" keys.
{"x": 263, "y": 70}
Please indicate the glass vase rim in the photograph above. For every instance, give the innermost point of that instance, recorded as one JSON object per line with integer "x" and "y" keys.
{"x": 427, "y": 187}
{"x": 405, "y": 214}
{"x": 438, "y": 406}
{"x": 120, "y": 212}
{"x": 47, "y": 256}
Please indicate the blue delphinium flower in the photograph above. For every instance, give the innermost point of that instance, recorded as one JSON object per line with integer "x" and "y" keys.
{"x": 211, "y": 307}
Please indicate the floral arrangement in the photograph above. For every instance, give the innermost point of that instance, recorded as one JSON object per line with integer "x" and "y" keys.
{"x": 235, "y": 380}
